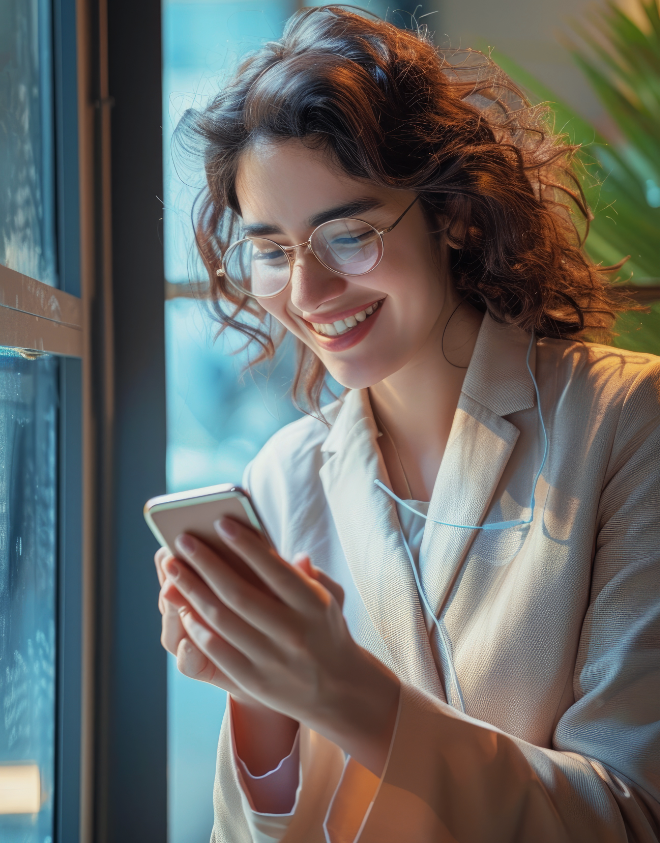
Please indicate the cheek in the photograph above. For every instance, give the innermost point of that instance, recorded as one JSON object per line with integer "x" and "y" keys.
{"x": 415, "y": 292}
{"x": 278, "y": 308}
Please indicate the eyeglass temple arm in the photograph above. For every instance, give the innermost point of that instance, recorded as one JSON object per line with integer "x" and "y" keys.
{"x": 396, "y": 222}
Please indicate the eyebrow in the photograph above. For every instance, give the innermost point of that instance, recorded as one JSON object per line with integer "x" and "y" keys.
{"x": 349, "y": 209}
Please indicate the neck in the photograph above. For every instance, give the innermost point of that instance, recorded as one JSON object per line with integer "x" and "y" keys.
{"x": 416, "y": 405}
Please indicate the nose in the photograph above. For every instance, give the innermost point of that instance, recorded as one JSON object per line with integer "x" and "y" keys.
{"x": 311, "y": 283}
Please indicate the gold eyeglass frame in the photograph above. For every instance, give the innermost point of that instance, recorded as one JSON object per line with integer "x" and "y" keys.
{"x": 289, "y": 251}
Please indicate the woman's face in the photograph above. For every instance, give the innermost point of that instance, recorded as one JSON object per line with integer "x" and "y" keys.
{"x": 283, "y": 189}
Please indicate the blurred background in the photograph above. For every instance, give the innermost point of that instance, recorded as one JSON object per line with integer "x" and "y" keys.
{"x": 114, "y": 385}
{"x": 217, "y": 424}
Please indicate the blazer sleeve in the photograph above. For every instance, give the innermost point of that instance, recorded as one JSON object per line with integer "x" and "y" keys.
{"x": 450, "y": 777}
{"x": 321, "y": 766}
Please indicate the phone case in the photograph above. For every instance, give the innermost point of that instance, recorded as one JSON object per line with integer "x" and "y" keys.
{"x": 195, "y": 511}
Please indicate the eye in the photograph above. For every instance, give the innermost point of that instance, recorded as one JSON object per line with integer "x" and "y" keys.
{"x": 347, "y": 246}
{"x": 345, "y": 241}
{"x": 270, "y": 255}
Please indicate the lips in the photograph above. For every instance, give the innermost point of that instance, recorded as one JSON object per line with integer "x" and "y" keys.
{"x": 342, "y": 326}
{"x": 346, "y": 334}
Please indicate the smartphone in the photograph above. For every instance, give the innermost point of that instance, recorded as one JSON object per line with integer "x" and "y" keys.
{"x": 195, "y": 511}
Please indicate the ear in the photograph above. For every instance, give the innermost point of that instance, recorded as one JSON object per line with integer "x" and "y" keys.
{"x": 450, "y": 232}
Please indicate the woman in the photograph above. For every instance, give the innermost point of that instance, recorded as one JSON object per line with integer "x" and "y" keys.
{"x": 467, "y": 648}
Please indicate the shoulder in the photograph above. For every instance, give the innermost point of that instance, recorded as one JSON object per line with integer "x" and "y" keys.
{"x": 296, "y": 444}
{"x": 610, "y": 388}
{"x": 287, "y": 467}
{"x": 600, "y": 373}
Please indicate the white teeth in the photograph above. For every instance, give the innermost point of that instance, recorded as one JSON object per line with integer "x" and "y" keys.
{"x": 336, "y": 329}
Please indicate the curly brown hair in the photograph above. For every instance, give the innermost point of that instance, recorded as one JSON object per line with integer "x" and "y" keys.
{"x": 389, "y": 107}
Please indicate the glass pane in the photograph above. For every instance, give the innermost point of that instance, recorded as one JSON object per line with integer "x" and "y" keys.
{"x": 27, "y": 226}
{"x": 202, "y": 43}
{"x": 28, "y": 536}
{"x": 216, "y": 425}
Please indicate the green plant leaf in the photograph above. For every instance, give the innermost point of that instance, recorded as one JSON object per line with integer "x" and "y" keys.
{"x": 621, "y": 62}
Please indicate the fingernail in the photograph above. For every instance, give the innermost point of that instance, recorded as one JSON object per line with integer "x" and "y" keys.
{"x": 227, "y": 528}
{"x": 172, "y": 569}
{"x": 185, "y": 543}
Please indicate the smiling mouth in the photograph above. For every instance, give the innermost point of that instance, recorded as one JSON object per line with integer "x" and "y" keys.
{"x": 343, "y": 326}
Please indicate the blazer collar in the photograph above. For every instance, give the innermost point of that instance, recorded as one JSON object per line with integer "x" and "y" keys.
{"x": 370, "y": 536}
{"x": 481, "y": 441}
{"x": 497, "y": 378}
{"x": 355, "y": 410}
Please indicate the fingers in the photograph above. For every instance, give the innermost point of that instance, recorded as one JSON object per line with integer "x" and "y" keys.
{"x": 191, "y": 662}
{"x": 219, "y": 617}
{"x": 303, "y": 563}
{"x": 286, "y": 581}
{"x": 233, "y": 664}
{"x": 172, "y": 633}
{"x": 169, "y": 603}
{"x": 159, "y": 557}
{"x": 261, "y": 611}
{"x": 171, "y": 594}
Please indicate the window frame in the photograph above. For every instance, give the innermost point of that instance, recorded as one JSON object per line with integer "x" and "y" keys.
{"x": 109, "y": 693}
{"x": 38, "y": 319}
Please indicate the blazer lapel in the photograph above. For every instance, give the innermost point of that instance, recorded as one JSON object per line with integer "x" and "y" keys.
{"x": 479, "y": 447}
{"x": 370, "y": 535}
{"x": 497, "y": 383}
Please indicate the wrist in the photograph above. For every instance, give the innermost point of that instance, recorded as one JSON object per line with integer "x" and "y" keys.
{"x": 364, "y": 715}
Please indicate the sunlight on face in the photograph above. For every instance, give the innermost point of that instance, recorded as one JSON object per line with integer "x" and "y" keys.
{"x": 364, "y": 328}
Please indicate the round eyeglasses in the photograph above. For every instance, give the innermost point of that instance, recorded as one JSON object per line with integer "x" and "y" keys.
{"x": 261, "y": 268}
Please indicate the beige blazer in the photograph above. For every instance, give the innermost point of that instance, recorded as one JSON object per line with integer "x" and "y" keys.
{"x": 552, "y": 628}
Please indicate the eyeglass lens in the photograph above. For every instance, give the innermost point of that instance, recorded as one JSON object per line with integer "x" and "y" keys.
{"x": 262, "y": 268}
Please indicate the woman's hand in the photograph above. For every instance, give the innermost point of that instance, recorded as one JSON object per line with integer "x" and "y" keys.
{"x": 190, "y": 660}
{"x": 262, "y": 736}
{"x": 294, "y": 654}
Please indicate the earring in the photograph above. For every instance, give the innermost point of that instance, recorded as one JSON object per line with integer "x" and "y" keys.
{"x": 442, "y": 341}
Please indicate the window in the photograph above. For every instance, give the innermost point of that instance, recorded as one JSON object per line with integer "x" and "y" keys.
{"x": 40, "y": 443}
{"x": 27, "y": 207}
{"x": 28, "y": 555}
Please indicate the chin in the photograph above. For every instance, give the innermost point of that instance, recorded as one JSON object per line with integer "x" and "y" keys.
{"x": 356, "y": 377}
